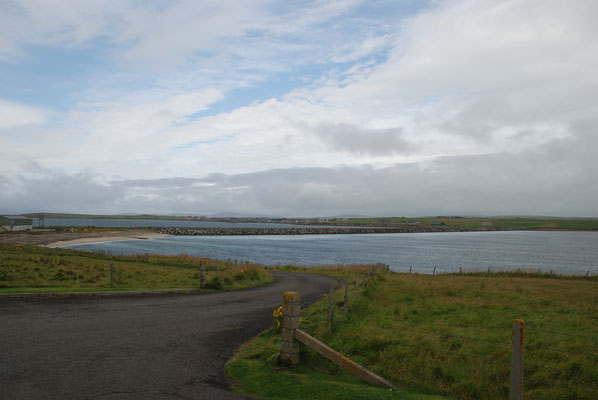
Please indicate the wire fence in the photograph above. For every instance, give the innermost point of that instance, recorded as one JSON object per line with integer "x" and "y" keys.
{"x": 511, "y": 271}
{"x": 496, "y": 353}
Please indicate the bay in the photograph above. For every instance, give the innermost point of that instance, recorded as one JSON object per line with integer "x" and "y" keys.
{"x": 568, "y": 252}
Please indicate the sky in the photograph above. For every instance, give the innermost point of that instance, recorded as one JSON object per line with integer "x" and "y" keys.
{"x": 299, "y": 108}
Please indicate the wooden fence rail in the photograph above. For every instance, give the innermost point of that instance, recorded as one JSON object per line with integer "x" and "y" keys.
{"x": 292, "y": 336}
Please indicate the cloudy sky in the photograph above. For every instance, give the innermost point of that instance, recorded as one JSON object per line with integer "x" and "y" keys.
{"x": 299, "y": 108}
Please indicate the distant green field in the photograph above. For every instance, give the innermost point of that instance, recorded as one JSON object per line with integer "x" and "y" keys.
{"x": 99, "y": 216}
{"x": 476, "y": 223}
{"x": 523, "y": 223}
{"x": 38, "y": 269}
{"x": 444, "y": 335}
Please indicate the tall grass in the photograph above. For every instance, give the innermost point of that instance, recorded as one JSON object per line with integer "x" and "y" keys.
{"x": 451, "y": 334}
{"x": 32, "y": 268}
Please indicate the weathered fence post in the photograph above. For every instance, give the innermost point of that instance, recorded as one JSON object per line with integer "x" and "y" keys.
{"x": 517, "y": 361}
{"x": 291, "y": 313}
{"x": 111, "y": 273}
{"x": 410, "y": 268}
{"x": 202, "y": 281}
{"x": 434, "y": 273}
{"x": 357, "y": 284}
{"x": 330, "y": 305}
{"x": 346, "y": 305}
{"x": 459, "y": 269}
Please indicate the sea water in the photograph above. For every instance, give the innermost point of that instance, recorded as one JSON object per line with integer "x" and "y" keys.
{"x": 568, "y": 252}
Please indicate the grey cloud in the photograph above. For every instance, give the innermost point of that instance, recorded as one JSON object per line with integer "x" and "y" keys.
{"x": 163, "y": 182}
{"x": 354, "y": 139}
{"x": 556, "y": 178}
{"x": 58, "y": 192}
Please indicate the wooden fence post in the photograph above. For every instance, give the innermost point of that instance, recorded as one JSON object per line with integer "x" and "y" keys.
{"x": 202, "y": 281}
{"x": 517, "y": 361}
{"x": 291, "y": 318}
{"x": 330, "y": 305}
{"x": 410, "y": 268}
{"x": 434, "y": 273}
{"x": 346, "y": 305}
{"x": 357, "y": 284}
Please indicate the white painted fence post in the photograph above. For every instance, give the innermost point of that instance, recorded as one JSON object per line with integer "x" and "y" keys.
{"x": 517, "y": 361}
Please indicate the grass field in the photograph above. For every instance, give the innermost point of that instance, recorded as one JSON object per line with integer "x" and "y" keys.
{"x": 444, "y": 335}
{"x": 108, "y": 216}
{"x": 38, "y": 269}
{"x": 500, "y": 223}
{"x": 522, "y": 223}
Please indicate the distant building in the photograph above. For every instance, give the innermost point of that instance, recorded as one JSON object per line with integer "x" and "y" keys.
{"x": 437, "y": 224}
{"x": 486, "y": 223}
{"x": 15, "y": 223}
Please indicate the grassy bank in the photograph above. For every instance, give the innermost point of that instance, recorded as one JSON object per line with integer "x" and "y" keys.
{"x": 38, "y": 269}
{"x": 448, "y": 335}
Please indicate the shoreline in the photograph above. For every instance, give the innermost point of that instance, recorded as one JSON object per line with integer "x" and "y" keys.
{"x": 60, "y": 237}
{"x": 105, "y": 239}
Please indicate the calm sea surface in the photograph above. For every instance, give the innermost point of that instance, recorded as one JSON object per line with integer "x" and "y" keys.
{"x": 563, "y": 252}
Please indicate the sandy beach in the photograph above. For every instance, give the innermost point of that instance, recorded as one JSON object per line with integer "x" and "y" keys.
{"x": 66, "y": 238}
{"x": 110, "y": 238}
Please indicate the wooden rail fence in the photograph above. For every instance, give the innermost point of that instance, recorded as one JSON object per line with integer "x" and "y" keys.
{"x": 292, "y": 337}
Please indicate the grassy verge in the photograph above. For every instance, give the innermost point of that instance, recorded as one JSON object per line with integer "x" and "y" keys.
{"x": 448, "y": 335}
{"x": 38, "y": 269}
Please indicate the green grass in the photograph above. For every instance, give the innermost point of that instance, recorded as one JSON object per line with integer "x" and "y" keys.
{"x": 262, "y": 378}
{"x": 448, "y": 335}
{"x": 113, "y": 216}
{"x": 26, "y": 269}
{"x": 524, "y": 223}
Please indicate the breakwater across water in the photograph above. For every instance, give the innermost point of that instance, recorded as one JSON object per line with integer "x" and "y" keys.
{"x": 294, "y": 231}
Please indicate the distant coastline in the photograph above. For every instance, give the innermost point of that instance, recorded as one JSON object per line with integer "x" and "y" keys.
{"x": 399, "y": 224}
{"x": 308, "y": 231}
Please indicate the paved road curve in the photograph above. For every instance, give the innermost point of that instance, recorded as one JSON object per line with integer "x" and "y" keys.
{"x": 154, "y": 347}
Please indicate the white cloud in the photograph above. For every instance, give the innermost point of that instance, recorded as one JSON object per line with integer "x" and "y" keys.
{"x": 467, "y": 90}
{"x": 15, "y": 115}
{"x": 557, "y": 178}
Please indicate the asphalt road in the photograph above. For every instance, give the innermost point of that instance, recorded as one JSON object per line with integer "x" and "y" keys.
{"x": 137, "y": 347}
